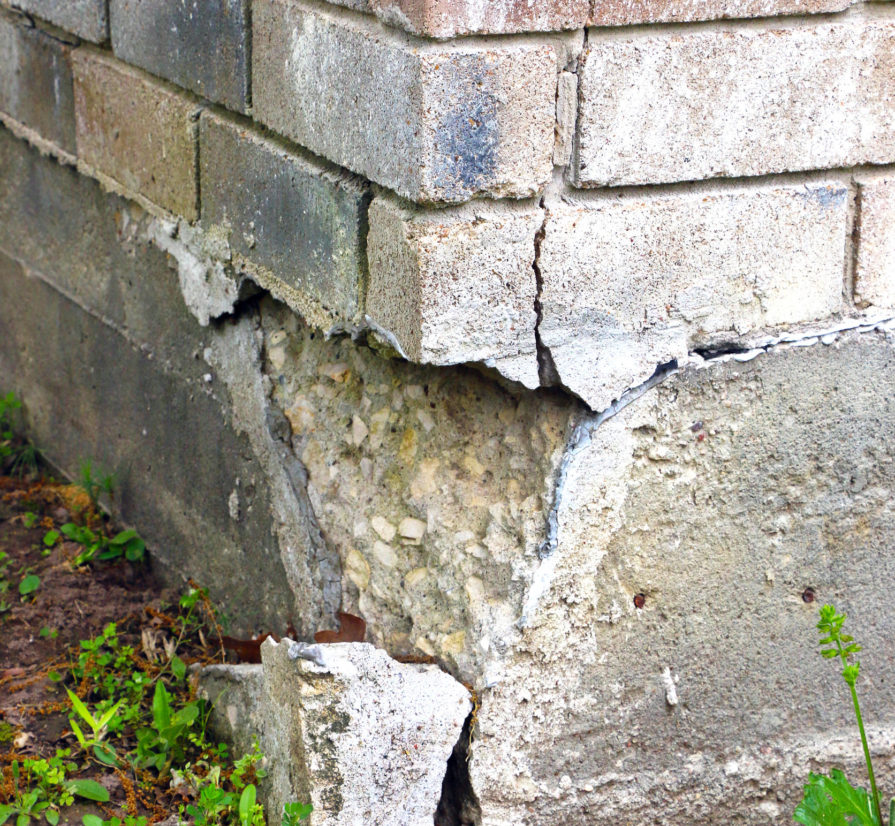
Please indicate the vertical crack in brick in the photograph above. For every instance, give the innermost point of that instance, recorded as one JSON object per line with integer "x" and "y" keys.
{"x": 459, "y": 805}
{"x": 547, "y": 373}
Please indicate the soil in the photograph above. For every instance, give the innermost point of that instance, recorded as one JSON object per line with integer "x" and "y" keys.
{"x": 40, "y": 634}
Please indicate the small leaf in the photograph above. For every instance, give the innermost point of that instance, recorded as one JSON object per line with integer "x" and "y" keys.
{"x": 50, "y": 538}
{"x": 178, "y": 667}
{"x": 29, "y": 584}
{"x": 82, "y": 710}
{"x": 92, "y": 820}
{"x": 123, "y": 538}
{"x": 54, "y": 676}
{"x": 105, "y": 754}
{"x": 90, "y": 789}
{"x": 5, "y": 812}
{"x": 247, "y": 805}
{"x": 52, "y": 816}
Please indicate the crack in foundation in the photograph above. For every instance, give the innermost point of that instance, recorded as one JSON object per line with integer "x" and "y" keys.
{"x": 548, "y": 375}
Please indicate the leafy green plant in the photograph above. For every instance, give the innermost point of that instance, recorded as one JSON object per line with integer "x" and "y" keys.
{"x": 127, "y": 544}
{"x": 41, "y": 788}
{"x": 294, "y": 813}
{"x": 833, "y": 801}
{"x": 17, "y": 453}
{"x": 99, "y": 728}
{"x": 164, "y": 742}
{"x": 96, "y": 820}
{"x": 29, "y": 584}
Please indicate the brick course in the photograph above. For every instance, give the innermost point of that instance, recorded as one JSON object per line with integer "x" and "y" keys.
{"x": 431, "y": 124}
{"x": 676, "y": 106}
{"x": 298, "y": 218}
{"x": 137, "y": 132}
{"x": 201, "y": 45}
{"x": 628, "y": 12}
{"x": 85, "y": 18}
{"x": 875, "y": 264}
{"x": 36, "y": 82}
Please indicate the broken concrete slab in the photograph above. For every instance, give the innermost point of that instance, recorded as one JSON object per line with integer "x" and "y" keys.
{"x": 362, "y": 737}
{"x": 717, "y": 498}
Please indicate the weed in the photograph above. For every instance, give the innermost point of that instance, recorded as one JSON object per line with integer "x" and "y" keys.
{"x": 95, "y": 485}
{"x": 17, "y": 454}
{"x": 99, "y": 728}
{"x": 29, "y": 584}
{"x": 96, "y": 545}
{"x": 294, "y": 813}
{"x": 833, "y": 801}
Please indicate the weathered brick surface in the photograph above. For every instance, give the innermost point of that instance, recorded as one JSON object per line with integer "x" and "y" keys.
{"x": 456, "y": 287}
{"x": 202, "y": 45}
{"x": 36, "y": 82}
{"x": 85, "y": 18}
{"x": 629, "y": 283}
{"x": 301, "y": 220}
{"x": 675, "y": 106}
{"x": 432, "y": 123}
{"x": 626, "y": 12}
{"x": 136, "y": 131}
{"x": 449, "y": 18}
{"x": 875, "y": 266}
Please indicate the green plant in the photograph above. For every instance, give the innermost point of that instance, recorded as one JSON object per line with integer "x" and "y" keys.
{"x": 99, "y": 727}
{"x": 95, "y": 484}
{"x": 16, "y": 452}
{"x": 95, "y": 820}
{"x": 833, "y": 801}
{"x": 294, "y": 813}
{"x": 29, "y": 584}
{"x": 164, "y": 742}
{"x": 127, "y": 544}
{"x": 41, "y": 787}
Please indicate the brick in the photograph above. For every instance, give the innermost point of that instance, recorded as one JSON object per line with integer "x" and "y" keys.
{"x": 728, "y": 102}
{"x": 431, "y": 122}
{"x": 633, "y": 282}
{"x": 628, "y": 12}
{"x": 875, "y": 266}
{"x": 85, "y": 18}
{"x": 449, "y": 18}
{"x": 201, "y": 45}
{"x": 137, "y": 132}
{"x": 298, "y": 218}
{"x": 36, "y": 83}
{"x": 456, "y": 287}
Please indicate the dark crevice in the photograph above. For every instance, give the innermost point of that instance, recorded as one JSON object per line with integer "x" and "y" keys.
{"x": 721, "y": 350}
{"x": 458, "y": 805}
{"x": 548, "y": 376}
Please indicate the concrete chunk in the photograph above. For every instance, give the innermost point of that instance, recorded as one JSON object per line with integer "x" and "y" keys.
{"x": 300, "y": 219}
{"x": 432, "y": 123}
{"x": 456, "y": 287}
{"x": 875, "y": 265}
{"x": 676, "y": 106}
{"x": 36, "y": 84}
{"x": 363, "y": 737}
{"x": 630, "y": 283}
{"x": 85, "y": 18}
{"x": 201, "y": 45}
{"x": 137, "y": 133}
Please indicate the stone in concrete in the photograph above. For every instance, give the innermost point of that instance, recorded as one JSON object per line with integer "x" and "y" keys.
{"x": 676, "y": 106}
{"x": 432, "y": 123}
{"x": 875, "y": 262}
{"x": 631, "y": 12}
{"x": 301, "y": 220}
{"x": 363, "y": 738}
{"x": 201, "y": 45}
{"x": 632, "y": 282}
{"x": 447, "y": 456}
{"x": 137, "y": 133}
{"x": 85, "y": 18}
{"x": 720, "y": 496}
{"x": 449, "y": 18}
{"x": 36, "y": 84}
{"x": 455, "y": 287}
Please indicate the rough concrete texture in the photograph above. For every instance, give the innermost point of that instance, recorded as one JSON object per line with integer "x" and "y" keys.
{"x": 137, "y": 133}
{"x": 628, "y": 12}
{"x": 632, "y": 282}
{"x": 456, "y": 286}
{"x": 432, "y": 485}
{"x": 120, "y": 368}
{"x": 875, "y": 260}
{"x": 85, "y": 18}
{"x": 202, "y": 45}
{"x": 301, "y": 220}
{"x": 449, "y": 18}
{"x": 431, "y": 122}
{"x": 238, "y": 717}
{"x": 36, "y": 82}
{"x": 684, "y": 105}
{"x": 720, "y": 496}
{"x": 362, "y": 737}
